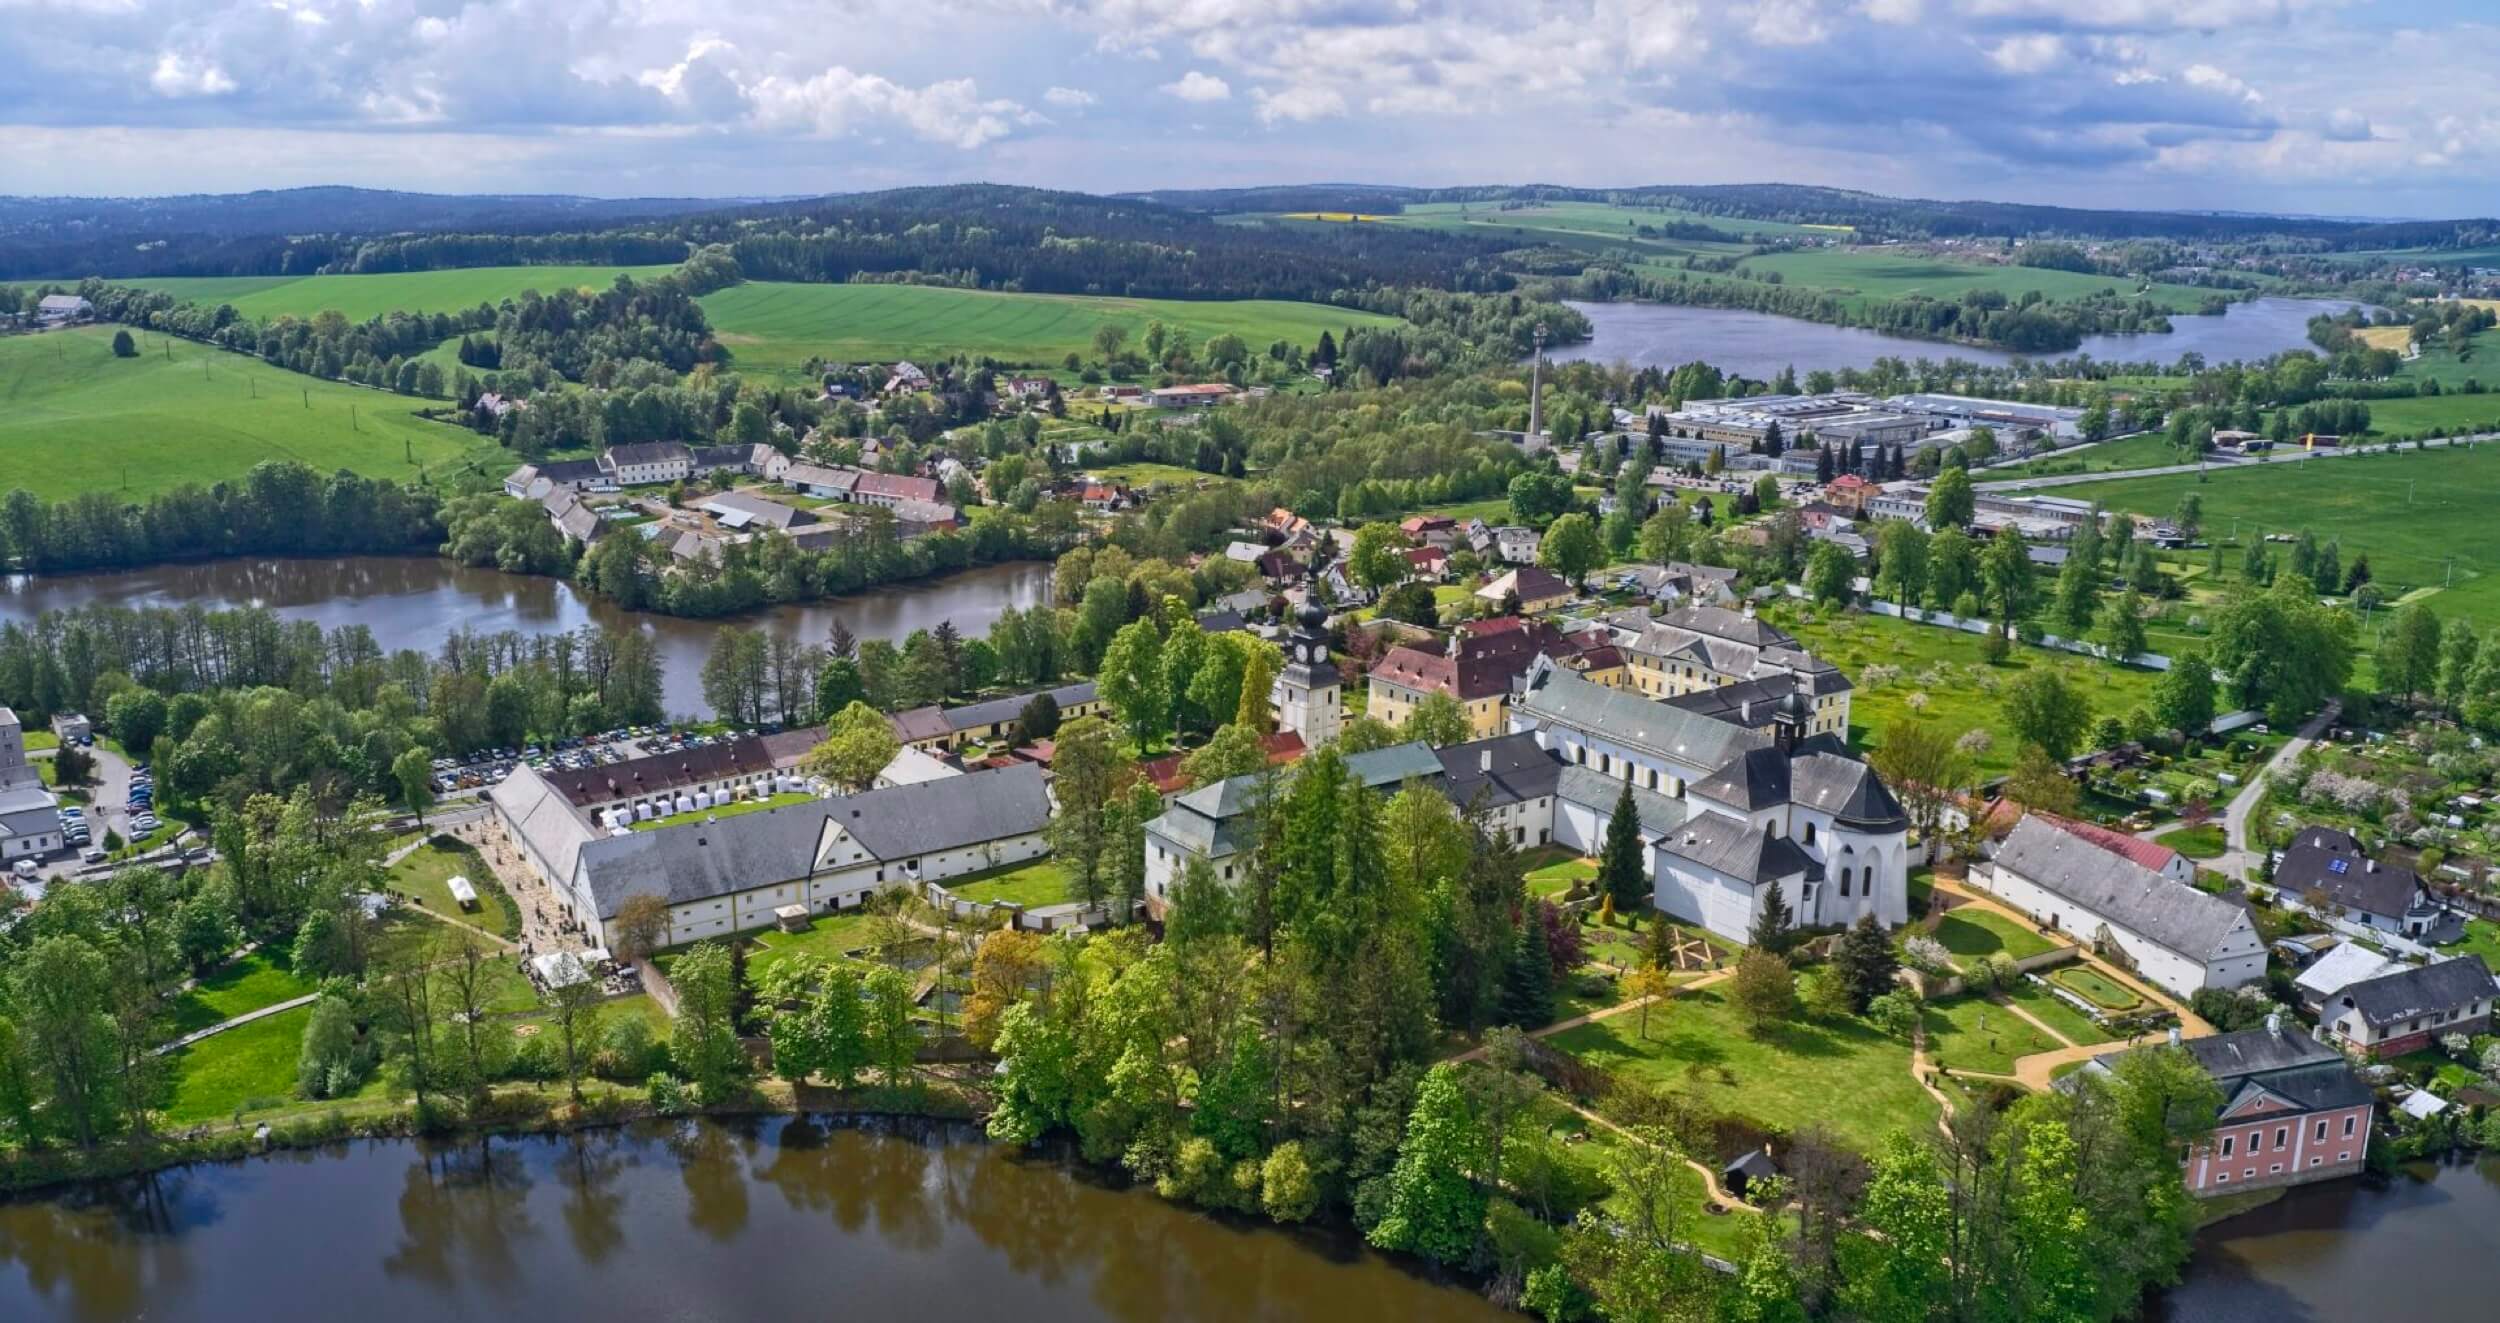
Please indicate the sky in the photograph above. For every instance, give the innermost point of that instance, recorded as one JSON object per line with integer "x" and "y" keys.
{"x": 2341, "y": 107}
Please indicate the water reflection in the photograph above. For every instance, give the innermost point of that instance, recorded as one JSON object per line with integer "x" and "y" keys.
{"x": 418, "y": 601}
{"x": 765, "y": 1218}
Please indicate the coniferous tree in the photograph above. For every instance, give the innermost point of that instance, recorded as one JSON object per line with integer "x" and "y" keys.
{"x": 1528, "y": 985}
{"x": 1619, "y": 864}
{"x": 1864, "y": 962}
{"x": 1770, "y": 923}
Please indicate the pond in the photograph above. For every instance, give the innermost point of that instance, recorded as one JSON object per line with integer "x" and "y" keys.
{"x": 1760, "y": 344}
{"x": 769, "y": 1218}
{"x": 417, "y": 601}
{"x": 2425, "y": 1242}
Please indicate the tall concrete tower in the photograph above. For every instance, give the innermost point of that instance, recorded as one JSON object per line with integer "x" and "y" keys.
{"x": 1536, "y": 389}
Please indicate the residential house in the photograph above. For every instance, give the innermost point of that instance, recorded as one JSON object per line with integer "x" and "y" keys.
{"x": 572, "y": 516}
{"x": 2293, "y": 1110}
{"x": 532, "y": 482}
{"x": 2345, "y": 964}
{"x": 2326, "y": 870}
{"x": 2411, "y": 1009}
{"x": 60, "y": 309}
{"x": 1283, "y": 521}
{"x": 1431, "y": 530}
{"x": 646, "y": 462}
{"x": 1675, "y": 583}
{"x": 2176, "y": 936}
{"x": 1851, "y": 493}
{"x": 892, "y": 489}
{"x": 1025, "y": 388}
{"x": 757, "y": 459}
{"x": 1537, "y": 589}
{"x": 1477, "y": 667}
{"x": 1426, "y": 564}
{"x": 1511, "y": 544}
{"x": 1189, "y": 397}
{"x": 822, "y": 480}
{"x": 906, "y": 377}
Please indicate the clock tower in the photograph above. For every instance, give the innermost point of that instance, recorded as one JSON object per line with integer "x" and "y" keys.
{"x": 1308, "y": 697}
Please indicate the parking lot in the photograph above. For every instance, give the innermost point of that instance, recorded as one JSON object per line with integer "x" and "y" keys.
{"x": 453, "y": 776}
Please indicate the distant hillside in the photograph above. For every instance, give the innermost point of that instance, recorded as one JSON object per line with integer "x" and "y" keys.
{"x": 1870, "y": 213}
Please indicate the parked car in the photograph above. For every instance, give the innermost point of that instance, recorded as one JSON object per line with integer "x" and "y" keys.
{"x": 91, "y": 857}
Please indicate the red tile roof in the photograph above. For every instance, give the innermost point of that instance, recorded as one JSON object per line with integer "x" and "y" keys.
{"x": 1483, "y": 661}
{"x": 2147, "y": 854}
{"x": 1284, "y": 748}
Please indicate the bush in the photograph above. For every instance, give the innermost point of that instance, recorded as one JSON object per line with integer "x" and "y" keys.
{"x": 1554, "y": 1296}
{"x": 669, "y": 1097}
{"x": 1287, "y": 1188}
{"x": 1896, "y": 1012}
{"x": 627, "y": 1052}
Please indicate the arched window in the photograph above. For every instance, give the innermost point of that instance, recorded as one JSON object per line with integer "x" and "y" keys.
{"x": 1808, "y": 838}
{"x": 1844, "y": 884}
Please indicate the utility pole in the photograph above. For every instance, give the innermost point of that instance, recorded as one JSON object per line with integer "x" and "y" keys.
{"x": 1536, "y": 388}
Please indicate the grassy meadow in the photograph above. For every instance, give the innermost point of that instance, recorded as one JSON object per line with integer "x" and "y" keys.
{"x": 1867, "y": 274}
{"x": 74, "y": 418}
{"x": 362, "y": 298}
{"x": 2411, "y": 512}
{"x": 774, "y": 327}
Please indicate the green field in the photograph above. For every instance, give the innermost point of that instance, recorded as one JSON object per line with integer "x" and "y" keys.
{"x": 776, "y": 327}
{"x": 74, "y": 418}
{"x": 2412, "y": 512}
{"x": 362, "y": 298}
{"x": 1943, "y": 679}
{"x": 1865, "y": 274}
{"x": 2150, "y": 450}
{"x": 263, "y": 978}
{"x": 1787, "y": 1079}
{"x": 2404, "y": 416}
{"x": 1973, "y": 935}
{"x": 1968, "y": 1033}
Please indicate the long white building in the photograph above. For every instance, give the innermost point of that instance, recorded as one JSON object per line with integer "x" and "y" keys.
{"x": 2180, "y": 938}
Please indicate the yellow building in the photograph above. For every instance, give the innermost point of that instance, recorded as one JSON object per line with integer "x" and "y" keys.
{"x": 1701, "y": 648}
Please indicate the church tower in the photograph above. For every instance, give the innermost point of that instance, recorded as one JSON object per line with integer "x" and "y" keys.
{"x": 1308, "y": 697}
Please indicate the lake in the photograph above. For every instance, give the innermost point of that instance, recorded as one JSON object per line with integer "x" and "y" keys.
{"x": 2424, "y": 1243}
{"x": 767, "y": 1218}
{"x": 1759, "y": 344}
{"x": 417, "y": 601}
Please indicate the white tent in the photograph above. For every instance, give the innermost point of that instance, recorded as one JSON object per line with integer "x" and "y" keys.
{"x": 462, "y": 892}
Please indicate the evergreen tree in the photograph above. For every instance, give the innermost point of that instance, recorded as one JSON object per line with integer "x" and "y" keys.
{"x": 1770, "y": 922}
{"x": 1528, "y": 984}
{"x": 1619, "y": 861}
{"x": 1864, "y": 963}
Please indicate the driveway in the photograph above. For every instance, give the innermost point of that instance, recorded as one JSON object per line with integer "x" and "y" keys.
{"x": 2239, "y": 862}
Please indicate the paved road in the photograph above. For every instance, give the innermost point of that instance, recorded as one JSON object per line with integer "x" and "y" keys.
{"x": 2239, "y": 862}
{"x": 2216, "y": 466}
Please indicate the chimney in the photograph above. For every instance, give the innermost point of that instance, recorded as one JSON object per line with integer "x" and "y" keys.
{"x": 1484, "y": 761}
{"x": 1744, "y": 712}
{"x": 2175, "y": 1039}
{"x": 2274, "y": 1024}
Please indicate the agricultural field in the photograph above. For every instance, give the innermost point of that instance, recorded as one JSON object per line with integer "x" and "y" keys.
{"x": 1867, "y": 274}
{"x": 1939, "y": 677}
{"x": 2411, "y": 512}
{"x": 2409, "y": 415}
{"x": 73, "y": 418}
{"x": 2480, "y": 363}
{"x": 774, "y": 328}
{"x": 1601, "y": 220}
{"x": 362, "y": 298}
{"x": 2148, "y": 450}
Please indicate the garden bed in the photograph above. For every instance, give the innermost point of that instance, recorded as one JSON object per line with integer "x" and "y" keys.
{"x": 2092, "y": 986}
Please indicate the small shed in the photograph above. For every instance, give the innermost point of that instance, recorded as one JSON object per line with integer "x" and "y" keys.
{"x": 2422, "y": 1104}
{"x": 1747, "y": 1167}
{"x": 791, "y": 918}
{"x": 462, "y": 893}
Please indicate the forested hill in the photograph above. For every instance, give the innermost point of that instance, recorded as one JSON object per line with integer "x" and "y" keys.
{"x": 1870, "y": 213}
{"x": 974, "y": 235}
{"x": 279, "y": 231}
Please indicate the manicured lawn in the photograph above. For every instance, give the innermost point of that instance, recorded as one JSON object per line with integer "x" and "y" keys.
{"x": 2412, "y": 512}
{"x": 728, "y": 810}
{"x": 425, "y": 877}
{"x": 1937, "y": 676}
{"x": 79, "y": 419}
{"x": 1973, "y": 934}
{"x": 2088, "y": 984}
{"x": 828, "y": 937}
{"x": 365, "y": 297}
{"x": 2205, "y": 842}
{"x": 263, "y": 978}
{"x": 254, "y": 1064}
{"x": 1970, "y": 1033}
{"x": 41, "y": 739}
{"x": 1041, "y": 882}
{"x": 1552, "y": 871}
{"x": 2045, "y": 1006}
{"x": 1846, "y": 1075}
{"x": 772, "y": 327}
{"x": 1144, "y": 474}
{"x": 2482, "y": 938}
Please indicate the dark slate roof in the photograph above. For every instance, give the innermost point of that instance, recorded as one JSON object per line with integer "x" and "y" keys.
{"x": 2257, "y": 1051}
{"x": 2446, "y": 986}
{"x": 1748, "y": 703}
{"x": 1734, "y": 626}
{"x": 1755, "y": 779}
{"x": 569, "y": 470}
{"x": 2290, "y": 1065}
{"x": 2334, "y": 862}
{"x": 997, "y": 710}
{"x": 2318, "y": 1088}
{"x": 1737, "y": 849}
{"x": 1506, "y": 769}
{"x": 902, "y": 822}
{"x": 2173, "y": 914}
{"x": 648, "y": 452}
{"x": 701, "y": 860}
{"x": 1847, "y": 789}
{"x": 657, "y": 772}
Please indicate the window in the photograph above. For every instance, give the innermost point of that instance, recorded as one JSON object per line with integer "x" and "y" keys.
{"x": 2282, "y": 1137}
{"x": 2320, "y": 1137}
{"x": 1844, "y": 884}
{"x": 2222, "y": 1178}
{"x": 2226, "y": 1144}
{"x": 2348, "y": 1124}
{"x": 2275, "y": 1170}
{"x": 1808, "y": 838}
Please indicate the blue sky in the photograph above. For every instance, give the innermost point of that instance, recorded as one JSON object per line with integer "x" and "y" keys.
{"x": 2331, "y": 106}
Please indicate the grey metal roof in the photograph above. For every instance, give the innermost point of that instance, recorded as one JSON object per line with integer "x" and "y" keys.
{"x": 1235, "y": 795}
{"x": 2255, "y": 1051}
{"x": 2334, "y": 862}
{"x": 648, "y": 452}
{"x": 1847, "y": 789}
{"x": 1754, "y": 779}
{"x": 1656, "y": 813}
{"x": 1738, "y": 849}
{"x": 999, "y": 710}
{"x": 2445, "y": 986}
{"x": 701, "y": 860}
{"x": 902, "y": 822}
{"x": 1559, "y": 697}
{"x": 2172, "y": 914}
{"x": 2290, "y": 1064}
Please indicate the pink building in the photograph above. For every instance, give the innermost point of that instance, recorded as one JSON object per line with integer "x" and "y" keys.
{"x": 2293, "y": 1111}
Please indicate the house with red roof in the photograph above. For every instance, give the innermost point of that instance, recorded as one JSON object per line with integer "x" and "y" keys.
{"x": 1478, "y": 666}
{"x": 1284, "y": 748}
{"x": 1428, "y": 564}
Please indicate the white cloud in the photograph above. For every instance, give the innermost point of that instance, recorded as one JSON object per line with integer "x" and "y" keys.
{"x": 1069, "y": 98}
{"x": 2026, "y": 54}
{"x": 1199, "y": 86}
{"x": 840, "y": 101}
{"x": 184, "y": 76}
{"x": 1298, "y": 104}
